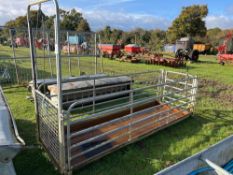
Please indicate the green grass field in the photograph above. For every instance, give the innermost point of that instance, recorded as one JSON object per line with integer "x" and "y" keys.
{"x": 211, "y": 122}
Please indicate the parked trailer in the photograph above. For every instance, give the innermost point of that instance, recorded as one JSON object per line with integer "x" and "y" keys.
{"x": 202, "y": 48}
{"x": 10, "y": 141}
{"x": 109, "y": 50}
{"x": 132, "y": 49}
{"x": 216, "y": 160}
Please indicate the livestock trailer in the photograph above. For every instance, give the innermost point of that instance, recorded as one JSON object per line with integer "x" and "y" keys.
{"x": 83, "y": 119}
{"x": 98, "y": 120}
{"x": 215, "y": 160}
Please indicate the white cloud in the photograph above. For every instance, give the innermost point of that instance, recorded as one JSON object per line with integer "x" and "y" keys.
{"x": 222, "y": 21}
{"x": 10, "y": 9}
{"x": 125, "y": 21}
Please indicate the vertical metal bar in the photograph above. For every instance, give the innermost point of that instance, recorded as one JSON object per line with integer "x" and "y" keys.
{"x": 76, "y": 44}
{"x": 33, "y": 63}
{"x": 94, "y": 95}
{"x": 14, "y": 56}
{"x": 59, "y": 87}
{"x": 186, "y": 84}
{"x": 131, "y": 96}
{"x": 49, "y": 54}
{"x": 68, "y": 142}
{"x": 101, "y": 55}
{"x": 131, "y": 108}
{"x": 160, "y": 81}
{"x": 95, "y": 54}
{"x": 164, "y": 80}
{"x": 68, "y": 44}
{"x": 62, "y": 151}
{"x": 193, "y": 92}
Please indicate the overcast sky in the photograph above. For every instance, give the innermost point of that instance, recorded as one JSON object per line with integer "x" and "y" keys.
{"x": 128, "y": 14}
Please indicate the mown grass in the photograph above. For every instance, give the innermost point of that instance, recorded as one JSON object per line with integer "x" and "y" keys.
{"x": 211, "y": 122}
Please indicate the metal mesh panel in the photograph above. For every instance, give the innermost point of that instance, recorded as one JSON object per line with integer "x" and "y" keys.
{"x": 48, "y": 125}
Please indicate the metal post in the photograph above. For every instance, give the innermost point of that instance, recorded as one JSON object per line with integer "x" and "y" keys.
{"x": 131, "y": 96}
{"x": 95, "y": 54}
{"x": 48, "y": 47}
{"x": 94, "y": 95}
{"x": 163, "y": 81}
{"x": 101, "y": 56}
{"x": 68, "y": 138}
{"x": 14, "y": 56}
{"x": 186, "y": 84}
{"x": 68, "y": 44}
{"x": 59, "y": 87}
{"x": 194, "y": 91}
{"x": 62, "y": 151}
{"x": 131, "y": 108}
{"x": 33, "y": 63}
{"x": 76, "y": 44}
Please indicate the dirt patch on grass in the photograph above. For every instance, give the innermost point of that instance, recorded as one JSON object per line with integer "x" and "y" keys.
{"x": 222, "y": 93}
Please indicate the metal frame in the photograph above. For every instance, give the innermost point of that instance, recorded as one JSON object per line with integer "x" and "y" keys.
{"x": 184, "y": 100}
{"x": 55, "y": 122}
{"x": 59, "y": 75}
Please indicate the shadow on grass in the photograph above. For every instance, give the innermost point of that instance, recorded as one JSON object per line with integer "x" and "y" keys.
{"x": 32, "y": 160}
{"x": 206, "y": 62}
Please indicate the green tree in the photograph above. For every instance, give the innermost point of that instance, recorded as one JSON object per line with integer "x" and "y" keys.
{"x": 214, "y": 36}
{"x": 36, "y": 19}
{"x": 83, "y": 26}
{"x": 73, "y": 20}
{"x": 157, "y": 40}
{"x": 106, "y": 35}
{"x": 189, "y": 22}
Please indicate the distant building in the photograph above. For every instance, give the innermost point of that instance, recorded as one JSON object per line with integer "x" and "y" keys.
{"x": 72, "y": 40}
{"x": 170, "y": 48}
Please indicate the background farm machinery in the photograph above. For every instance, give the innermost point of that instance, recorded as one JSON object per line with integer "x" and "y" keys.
{"x": 225, "y": 50}
{"x": 134, "y": 54}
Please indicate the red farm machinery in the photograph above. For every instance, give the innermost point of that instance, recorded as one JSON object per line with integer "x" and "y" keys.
{"x": 225, "y": 50}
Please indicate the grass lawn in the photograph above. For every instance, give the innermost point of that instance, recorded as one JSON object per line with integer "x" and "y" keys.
{"x": 211, "y": 122}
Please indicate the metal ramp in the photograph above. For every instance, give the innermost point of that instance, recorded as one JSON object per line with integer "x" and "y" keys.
{"x": 10, "y": 141}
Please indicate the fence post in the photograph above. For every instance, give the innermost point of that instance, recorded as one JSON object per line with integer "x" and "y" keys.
{"x": 48, "y": 47}
{"x": 101, "y": 56}
{"x": 76, "y": 44}
{"x": 14, "y": 55}
{"x": 68, "y": 44}
{"x": 95, "y": 54}
{"x": 94, "y": 95}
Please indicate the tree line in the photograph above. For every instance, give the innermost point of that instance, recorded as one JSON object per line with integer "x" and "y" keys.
{"x": 190, "y": 22}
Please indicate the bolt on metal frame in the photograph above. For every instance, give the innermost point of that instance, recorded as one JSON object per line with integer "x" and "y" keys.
{"x": 58, "y": 69}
